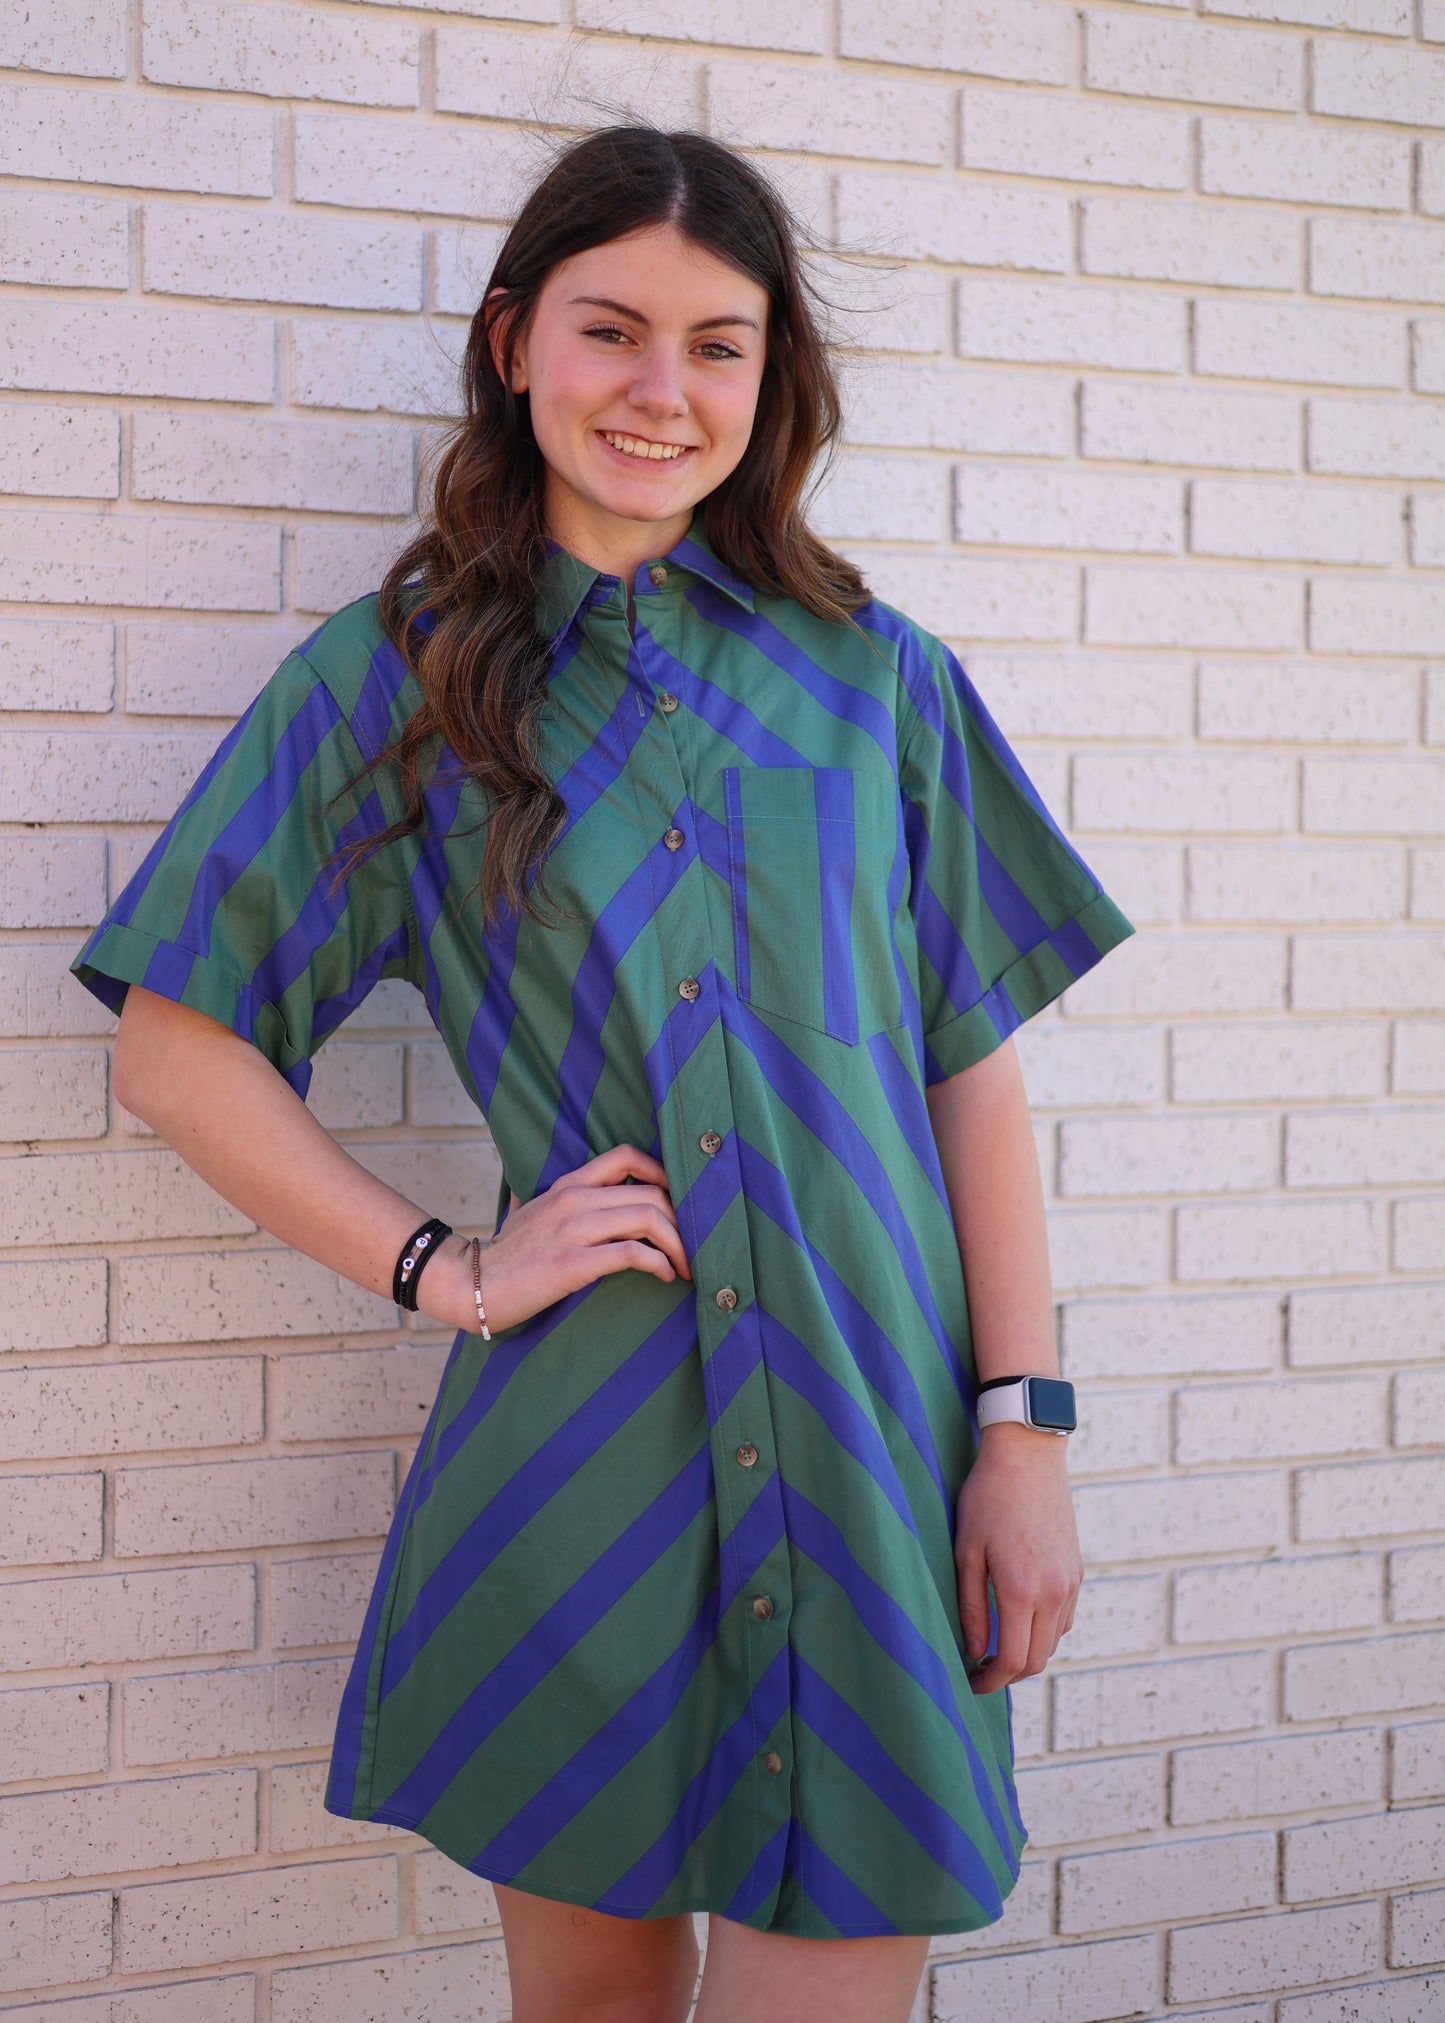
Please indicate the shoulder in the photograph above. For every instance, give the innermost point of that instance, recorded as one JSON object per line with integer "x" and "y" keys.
{"x": 354, "y": 659}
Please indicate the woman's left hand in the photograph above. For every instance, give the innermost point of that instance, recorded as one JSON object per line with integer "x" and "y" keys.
{"x": 1016, "y": 1524}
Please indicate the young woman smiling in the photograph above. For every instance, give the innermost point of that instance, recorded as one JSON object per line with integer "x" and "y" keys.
{"x": 733, "y": 1519}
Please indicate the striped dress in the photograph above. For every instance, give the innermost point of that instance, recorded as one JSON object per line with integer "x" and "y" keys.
{"x": 667, "y": 1617}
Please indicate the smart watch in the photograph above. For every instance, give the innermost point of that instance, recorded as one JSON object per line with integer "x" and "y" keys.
{"x": 1044, "y": 1402}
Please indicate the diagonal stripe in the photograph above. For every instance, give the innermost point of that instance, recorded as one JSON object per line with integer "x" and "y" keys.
{"x": 761, "y": 1880}
{"x": 836, "y": 1894}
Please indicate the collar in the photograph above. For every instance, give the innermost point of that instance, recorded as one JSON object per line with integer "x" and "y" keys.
{"x": 567, "y": 584}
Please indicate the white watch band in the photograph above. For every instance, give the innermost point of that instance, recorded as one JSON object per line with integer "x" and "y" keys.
{"x": 1006, "y": 1401}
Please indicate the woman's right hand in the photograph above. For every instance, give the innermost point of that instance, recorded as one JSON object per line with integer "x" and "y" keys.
{"x": 612, "y": 1214}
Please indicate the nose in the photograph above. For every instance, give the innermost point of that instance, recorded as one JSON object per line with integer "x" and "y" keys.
{"x": 657, "y": 386}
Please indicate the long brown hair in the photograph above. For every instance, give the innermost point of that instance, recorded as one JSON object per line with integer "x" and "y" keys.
{"x": 466, "y": 627}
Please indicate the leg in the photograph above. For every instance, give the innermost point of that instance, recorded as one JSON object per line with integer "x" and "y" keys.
{"x": 751, "y": 1975}
{"x": 571, "y": 1965}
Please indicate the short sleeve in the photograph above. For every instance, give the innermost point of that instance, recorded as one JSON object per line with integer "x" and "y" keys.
{"x": 232, "y": 911}
{"x": 1006, "y": 912}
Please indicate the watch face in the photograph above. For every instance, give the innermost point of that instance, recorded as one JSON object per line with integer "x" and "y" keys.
{"x": 1051, "y": 1403}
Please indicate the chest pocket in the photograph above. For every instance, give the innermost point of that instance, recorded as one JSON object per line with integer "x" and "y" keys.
{"x": 810, "y": 851}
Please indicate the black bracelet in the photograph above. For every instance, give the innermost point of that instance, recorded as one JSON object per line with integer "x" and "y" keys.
{"x": 416, "y": 1252}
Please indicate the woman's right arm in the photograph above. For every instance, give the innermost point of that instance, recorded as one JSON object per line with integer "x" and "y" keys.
{"x": 235, "y": 1120}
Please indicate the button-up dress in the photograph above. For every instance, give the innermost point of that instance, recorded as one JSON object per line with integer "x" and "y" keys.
{"x": 667, "y": 1618}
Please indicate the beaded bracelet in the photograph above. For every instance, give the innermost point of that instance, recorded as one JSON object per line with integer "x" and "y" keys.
{"x": 476, "y": 1247}
{"x": 415, "y": 1253}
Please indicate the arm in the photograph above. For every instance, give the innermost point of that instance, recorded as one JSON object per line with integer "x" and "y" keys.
{"x": 1015, "y": 1515}
{"x": 237, "y": 1122}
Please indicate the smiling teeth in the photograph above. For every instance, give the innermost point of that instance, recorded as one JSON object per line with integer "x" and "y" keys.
{"x": 653, "y": 452}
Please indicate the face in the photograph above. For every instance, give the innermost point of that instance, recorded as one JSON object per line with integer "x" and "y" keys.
{"x": 643, "y": 363}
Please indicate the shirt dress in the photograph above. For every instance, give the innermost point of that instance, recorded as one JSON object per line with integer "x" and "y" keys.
{"x": 667, "y": 1616}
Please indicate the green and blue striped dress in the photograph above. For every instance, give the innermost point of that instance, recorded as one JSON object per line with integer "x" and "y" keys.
{"x": 667, "y": 1618}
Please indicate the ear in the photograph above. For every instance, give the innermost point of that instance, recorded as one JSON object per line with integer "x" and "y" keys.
{"x": 496, "y": 336}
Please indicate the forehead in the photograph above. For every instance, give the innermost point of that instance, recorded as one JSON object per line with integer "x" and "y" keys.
{"x": 657, "y": 267}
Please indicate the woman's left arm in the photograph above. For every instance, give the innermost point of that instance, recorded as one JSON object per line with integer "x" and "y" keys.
{"x": 1015, "y": 1514}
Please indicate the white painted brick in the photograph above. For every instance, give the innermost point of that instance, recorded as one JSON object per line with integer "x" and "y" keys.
{"x": 463, "y": 1176}
{"x": 54, "y": 1731}
{"x": 446, "y": 1898}
{"x": 361, "y": 1394}
{"x": 401, "y": 166}
{"x": 1078, "y": 697}
{"x": 1384, "y": 1147}
{"x": 1148, "y": 58}
{"x": 1277, "y": 1240}
{"x": 1284, "y": 1774}
{"x": 1114, "y": 1977}
{"x": 1068, "y": 1802}
{"x": 1293, "y": 882}
{"x": 174, "y": 564}
{"x": 1405, "y": 87}
{"x": 1029, "y": 1714}
{"x": 1118, "y": 1618}
{"x": 49, "y": 241}
{"x": 1419, "y": 1237}
{"x": 501, "y": 76}
{"x": 130, "y": 1409}
{"x": 882, "y": 118}
{"x": 1406, "y": 975}
{"x": 320, "y": 1600}
{"x": 1167, "y": 1880}
{"x": 56, "y": 664}
{"x": 1365, "y": 1324}
{"x": 291, "y": 52}
{"x": 39, "y": 998}
{"x": 408, "y": 368}
{"x": 1133, "y": 423}
{"x": 1383, "y": 261}
{"x": 53, "y": 881}
{"x": 202, "y": 670}
{"x": 1301, "y": 522}
{"x": 86, "y": 37}
{"x": 970, "y": 224}
{"x": 1343, "y": 1415}
{"x": 1020, "y": 39}
{"x": 797, "y": 25}
{"x": 335, "y": 564}
{"x": 1123, "y": 1705}
{"x": 897, "y": 403}
{"x": 234, "y": 460}
{"x": 1431, "y": 178}
{"x": 299, "y": 1821}
{"x": 1272, "y": 1953}
{"x": 1068, "y": 1068}
{"x": 1419, "y": 1057}
{"x": 1428, "y": 354}
{"x": 53, "y": 1095}
{"x": 1219, "y": 245}
{"x": 1129, "y": 605}
{"x": 146, "y": 141}
{"x": 1369, "y": 17}
{"x": 92, "y": 777}
{"x": 1417, "y": 1584}
{"x": 1038, "y": 133}
{"x": 356, "y": 1085}
{"x": 252, "y": 1916}
{"x": 1298, "y": 164}
{"x": 960, "y": 598}
{"x": 1068, "y": 509}
{"x": 105, "y": 1619}
{"x": 1417, "y": 1929}
{"x": 46, "y": 1520}
{"x": 879, "y": 498}
{"x": 1356, "y": 1499}
{"x": 1417, "y": 1761}
{"x": 1427, "y": 531}
{"x": 59, "y": 452}
{"x": 98, "y": 1830}
{"x": 1174, "y": 1515}
{"x": 1298, "y": 1059}
{"x": 239, "y": 1295}
{"x": 216, "y": 1506}
{"x": 1376, "y": 439}
{"x": 1278, "y": 1598}
{"x": 1094, "y": 325}
{"x": 1176, "y": 791}
{"x": 341, "y": 263}
{"x": 436, "y": 1097}
{"x": 229, "y": 2000}
{"x": 93, "y": 347}
{"x": 1432, "y": 21}
{"x": 462, "y": 258}
{"x": 47, "y": 1940}
{"x": 468, "y": 1981}
{"x": 38, "y": 1315}
{"x": 1379, "y": 1851}
{"x": 1144, "y": 878}
{"x": 1167, "y": 1155}
{"x": 1169, "y": 1337}
{"x": 1118, "y": 1430}
{"x": 1311, "y": 702}
{"x": 1435, "y": 706}
{"x": 125, "y": 1195}
{"x": 184, "y": 1717}
{"x": 912, "y": 313}
{"x": 1098, "y": 1250}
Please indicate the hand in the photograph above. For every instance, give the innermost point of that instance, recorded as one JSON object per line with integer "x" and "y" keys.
{"x": 613, "y": 1214}
{"x": 1016, "y": 1523}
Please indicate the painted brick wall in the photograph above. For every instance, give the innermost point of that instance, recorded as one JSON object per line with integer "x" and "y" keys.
{"x": 1144, "y": 308}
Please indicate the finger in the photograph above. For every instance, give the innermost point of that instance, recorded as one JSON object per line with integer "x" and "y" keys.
{"x": 630, "y": 1253}
{"x": 618, "y": 1163}
{"x": 614, "y": 1215}
{"x": 973, "y": 1603}
{"x": 1015, "y": 1635}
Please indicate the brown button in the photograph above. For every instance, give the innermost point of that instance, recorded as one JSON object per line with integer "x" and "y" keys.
{"x": 658, "y": 574}
{"x": 667, "y": 701}
{"x": 710, "y": 1142}
{"x": 772, "y": 1763}
{"x": 727, "y": 1299}
{"x": 762, "y": 1607}
{"x": 689, "y": 988}
{"x": 674, "y": 839}
{"x": 747, "y": 1454}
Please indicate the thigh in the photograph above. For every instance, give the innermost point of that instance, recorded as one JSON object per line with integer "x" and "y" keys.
{"x": 568, "y": 1963}
{"x": 842, "y": 1980}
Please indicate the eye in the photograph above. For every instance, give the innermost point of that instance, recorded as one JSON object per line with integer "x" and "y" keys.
{"x": 603, "y": 330}
{"x": 714, "y": 347}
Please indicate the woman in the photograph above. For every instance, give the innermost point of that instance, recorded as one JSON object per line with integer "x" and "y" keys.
{"x": 726, "y": 895}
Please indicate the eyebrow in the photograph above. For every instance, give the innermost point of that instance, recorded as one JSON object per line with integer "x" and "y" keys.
{"x": 621, "y": 309}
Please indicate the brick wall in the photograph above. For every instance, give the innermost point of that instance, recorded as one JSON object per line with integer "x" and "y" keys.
{"x": 1145, "y": 316}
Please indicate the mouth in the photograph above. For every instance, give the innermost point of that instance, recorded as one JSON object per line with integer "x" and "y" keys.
{"x": 639, "y": 450}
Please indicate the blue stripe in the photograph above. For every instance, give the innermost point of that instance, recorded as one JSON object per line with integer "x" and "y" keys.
{"x": 836, "y": 1895}
{"x": 833, "y": 803}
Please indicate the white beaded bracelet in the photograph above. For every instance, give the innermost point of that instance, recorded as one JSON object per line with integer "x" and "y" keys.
{"x": 484, "y": 1330}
